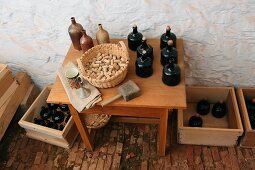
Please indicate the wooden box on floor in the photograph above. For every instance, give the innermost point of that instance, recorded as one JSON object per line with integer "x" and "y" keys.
{"x": 248, "y": 138}
{"x": 64, "y": 138}
{"x": 215, "y": 131}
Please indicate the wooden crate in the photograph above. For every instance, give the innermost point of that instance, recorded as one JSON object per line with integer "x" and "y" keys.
{"x": 215, "y": 131}
{"x": 248, "y": 138}
{"x": 7, "y": 83}
{"x": 64, "y": 138}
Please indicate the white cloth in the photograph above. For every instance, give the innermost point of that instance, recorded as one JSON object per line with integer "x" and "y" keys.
{"x": 78, "y": 103}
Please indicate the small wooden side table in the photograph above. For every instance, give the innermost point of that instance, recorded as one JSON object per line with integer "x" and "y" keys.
{"x": 151, "y": 107}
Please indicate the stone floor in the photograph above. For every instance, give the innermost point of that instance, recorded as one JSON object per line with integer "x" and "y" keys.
{"x": 119, "y": 146}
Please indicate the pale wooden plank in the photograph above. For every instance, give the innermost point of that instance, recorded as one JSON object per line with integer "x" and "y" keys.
{"x": 29, "y": 98}
{"x": 8, "y": 110}
{"x": 5, "y": 83}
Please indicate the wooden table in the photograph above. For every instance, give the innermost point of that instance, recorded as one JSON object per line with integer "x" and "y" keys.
{"x": 151, "y": 107}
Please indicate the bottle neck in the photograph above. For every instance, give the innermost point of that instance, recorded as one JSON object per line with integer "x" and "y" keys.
{"x": 169, "y": 47}
{"x": 171, "y": 65}
{"x": 168, "y": 32}
{"x": 135, "y": 30}
{"x": 144, "y": 56}
{"x": 100, "y": 26}
{"x": 84, "y": 33}
{"x": 144, "y": 44}
{"x": 73, "y": 20}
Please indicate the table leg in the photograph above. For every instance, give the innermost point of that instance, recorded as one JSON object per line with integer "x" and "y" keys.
{"x": 82, "y": 129}
{"x": 163, "y": 132}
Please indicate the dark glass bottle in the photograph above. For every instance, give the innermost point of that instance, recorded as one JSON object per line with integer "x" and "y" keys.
{"x": 52, "y": 106}
{"x": 58, "y": 117}
{"x": 45, "y": 113}
{"x": 203, "y": 107}
{"x": 134, "y": 39}
{"x": 171, "y": 75}
{"x": 74, "y": 31}
{"x": 195, "y": 121}
{"x": 64, "y": 107}
{"x": 39, "y": 122}
{"x": 219, "y": 109}
{"x": 167, "y": 36}
{"x": 61, "y": 127}
{"x": 143, "y": 65}
{"x": 169, "y": 52}
{"x": 144, "y": 47}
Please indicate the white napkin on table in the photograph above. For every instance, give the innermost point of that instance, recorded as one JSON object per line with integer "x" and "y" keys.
{"x": 78, "y": 103}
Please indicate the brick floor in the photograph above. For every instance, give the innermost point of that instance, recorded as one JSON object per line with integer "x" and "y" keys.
{"x": 119, "y": 146}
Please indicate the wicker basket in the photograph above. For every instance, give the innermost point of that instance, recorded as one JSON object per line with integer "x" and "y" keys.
{"x": 114, "y": 49}
{"x": 95, "y": 121}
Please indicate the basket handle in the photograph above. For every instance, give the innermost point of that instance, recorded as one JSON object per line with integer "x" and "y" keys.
{"x": 122, "y": 44}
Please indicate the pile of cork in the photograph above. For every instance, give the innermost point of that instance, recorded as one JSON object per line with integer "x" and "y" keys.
{"x": 105, "y": 66}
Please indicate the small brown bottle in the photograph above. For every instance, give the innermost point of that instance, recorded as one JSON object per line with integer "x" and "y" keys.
{"x": 86, "y": 42}
{"x": 102, "y": 35}
{"x": 74, "y": 31}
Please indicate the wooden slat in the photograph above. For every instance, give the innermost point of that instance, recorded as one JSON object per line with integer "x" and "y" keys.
{"x": 248, "y": 139}
{"x": 162, "y": 133}
{"x": 124, "y": 119}
{"x": 5, "y": 83}
{"x": 9, "y": 92}
{"x": 3, "y": 70}
{"x": 29, "y": 98}
{"x": 8, "y": 110}
{"x": 82, "y": 128}
{"x": 126, "y": 111}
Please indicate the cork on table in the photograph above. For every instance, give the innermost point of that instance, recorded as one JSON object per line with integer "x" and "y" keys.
{"x": 155, "y": 100}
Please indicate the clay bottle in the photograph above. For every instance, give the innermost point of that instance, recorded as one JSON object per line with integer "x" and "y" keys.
{"x": 169, "y": 52}
{"x": 86, "y": 42}
{"x": 171, "y": 75}
{"x": 146, "y": 47}
{"x": 167, "y": 36}
{"x": 144, "y": 65}
{"x": 102, "y": 35}
{"x": 74, "y": 31}
{"x": 134, "y": 39}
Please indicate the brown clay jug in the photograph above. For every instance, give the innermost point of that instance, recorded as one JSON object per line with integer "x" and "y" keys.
{"x": 86, "y": 41}
{"x": 74, "y": 31}
{"x": 102, "y": 35}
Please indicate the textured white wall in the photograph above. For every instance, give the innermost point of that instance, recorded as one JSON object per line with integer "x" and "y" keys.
{"x": 219, "y": 35}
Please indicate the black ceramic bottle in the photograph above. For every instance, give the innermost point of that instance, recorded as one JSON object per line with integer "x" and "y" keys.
{"x": 167, "y": 36}
{"x": 195, "y": 121}
{"x": 169, "y": 52}
{"x": 219, "y": 109}
{"x": 203, "y": 107}
{"x": 134, "y": 39}
{"x": 171, "y": 75}
{"x": 143, "y": 65}
{"x": 144, "y": 47}
{"x": 58, "y": 117}
{"x": 45, "y": 113}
